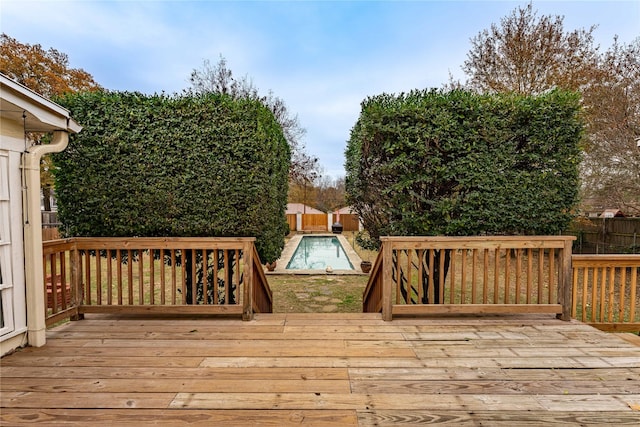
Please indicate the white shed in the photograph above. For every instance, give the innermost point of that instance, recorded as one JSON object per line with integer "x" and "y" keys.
{"x": 22, "y": 299}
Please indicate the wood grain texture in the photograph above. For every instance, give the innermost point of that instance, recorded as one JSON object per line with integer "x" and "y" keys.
{"x": 325, "y": 370}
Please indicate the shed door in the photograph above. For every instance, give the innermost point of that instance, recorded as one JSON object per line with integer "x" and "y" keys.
{"x": 6, "y": 276}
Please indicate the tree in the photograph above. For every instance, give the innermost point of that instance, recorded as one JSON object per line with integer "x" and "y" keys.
{"x": 528, "y": 54}
{"x": 457, "y": 163}
{"x": 611, "y": 166}
{"x": 48, "y": 73}
{"x": 219, "y": 78}
{"x": 331, "y": 194}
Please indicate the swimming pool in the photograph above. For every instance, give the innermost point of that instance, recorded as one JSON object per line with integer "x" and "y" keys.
{"x": 319, "y": 253}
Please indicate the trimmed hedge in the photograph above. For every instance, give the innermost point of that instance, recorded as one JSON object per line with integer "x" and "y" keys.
{"x": 182, "y": 165}
{"x": 458, "y": 163}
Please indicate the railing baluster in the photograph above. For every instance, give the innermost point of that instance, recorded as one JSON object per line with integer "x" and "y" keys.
{"x": 474, "y": 262}
{"x": 174, "y": 287}
{"x": 585, "y": 295}
{"x": 441, "y": 280}
{"x": 610, "y": 300}
{"x": 594, "y": 292}
{"x": 485, "y": 276}
{"x": 119, "y": 272}
{"x": 226, "y": 278}
{"x": 623, "y": 292}
{"x": 518, "y": 274}
{"x": 603, "y": 290}
{"x": 63, "y": 279}
{"x": 54, "y": 286}
{"x": 130, "y": 275}
{"x": 507, "y": 275}
{"x": 496, "y": 276}
{"x": 152, "y": 278}
{"x": 163, "y": 283}
{"x": 529, "y": 274}
{"x": 98, "y": 278}
{"x": 141, "y": 296}
{"x": 194, "y": 288}
{"x": 463, "y": 296}
{"x": 540, "y": 297}
{"x": 87, "y": 277}
{"x": 634, "y": 288}
{"x": 109, "y": 277}
{"x": 237, "y": 276}
{"x": 215, "y": 276}
{"x": 183, "y": 277}
{"x": 432, "y": 279}
{"x": 420, "y": 256}
{"x": 552, "y": 275}
{"x": 205, "y": 279}
{"x": 409, "y": 287}
{"x": 452, "y": 284}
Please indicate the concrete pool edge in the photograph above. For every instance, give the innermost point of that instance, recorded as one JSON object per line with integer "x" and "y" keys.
{"x": 292, "y": 244}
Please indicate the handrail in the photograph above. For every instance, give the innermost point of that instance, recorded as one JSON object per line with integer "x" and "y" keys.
{"x": 605, "y": 291}
{"x": 489, "y": 274}
{"x": 262, "y": 299}
{"x": 218, "y": 275}
{"x": 372, "y": 295}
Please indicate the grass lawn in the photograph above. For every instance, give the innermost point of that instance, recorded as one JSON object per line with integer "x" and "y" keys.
{"x": 323, "y": 293}
{"x": 317, "y": 294}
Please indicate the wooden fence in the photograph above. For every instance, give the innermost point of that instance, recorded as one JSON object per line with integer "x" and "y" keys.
{"x": 314, "y": 222}
{"x": 292, "y": 221}
{"x": 605, "y": 291}
{"x": 607, "y": 235}
{"x": 321, "y": 222}
{"x": 50, "y": 233}
{"x": 350, "y": 222}
{"x": 431, "y": 275}
{"x": 155, "y": 276}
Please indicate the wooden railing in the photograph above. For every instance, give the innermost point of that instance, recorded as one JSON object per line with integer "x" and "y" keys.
{"x": 372, "y": 295}
{"x": 605, "y": 291}
{"x": 154, "y": 275}
{"x": 260, "y": 292}
{"x": 435, "y": 275}
{"x": 61, "y": 276}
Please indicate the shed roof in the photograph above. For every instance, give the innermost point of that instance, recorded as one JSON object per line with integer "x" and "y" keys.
{"x": 345, "y": 210}
{"x": 293, "y": 208}
{"x": 611, "y": 213}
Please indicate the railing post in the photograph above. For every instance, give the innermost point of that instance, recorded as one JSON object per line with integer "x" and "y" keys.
{"x": 565, "y": 281}
{"x": 76, "y": 282}
{"x": 387, "y": 280}
{"x": 247, "y": 300}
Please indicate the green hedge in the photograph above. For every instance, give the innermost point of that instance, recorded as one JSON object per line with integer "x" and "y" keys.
{"x": 183, "y": 165}
{"x": 457, "y": 163}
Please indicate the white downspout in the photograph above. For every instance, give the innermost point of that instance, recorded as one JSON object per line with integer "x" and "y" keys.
{"x": 34, "y": 274}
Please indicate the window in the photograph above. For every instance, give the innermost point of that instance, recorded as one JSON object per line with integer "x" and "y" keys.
{"x": 6, "y": 281}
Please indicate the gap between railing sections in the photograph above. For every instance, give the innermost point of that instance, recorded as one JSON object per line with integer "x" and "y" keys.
{"x": 154, "y": 275}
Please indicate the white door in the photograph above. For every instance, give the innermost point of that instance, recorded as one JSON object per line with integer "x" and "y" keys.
{"x": 6, "y": 276}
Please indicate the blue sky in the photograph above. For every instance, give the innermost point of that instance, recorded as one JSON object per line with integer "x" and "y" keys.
{"x": 321, "y": 57}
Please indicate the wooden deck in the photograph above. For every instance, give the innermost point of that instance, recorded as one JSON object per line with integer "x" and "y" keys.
{"x": 316, "y": 369}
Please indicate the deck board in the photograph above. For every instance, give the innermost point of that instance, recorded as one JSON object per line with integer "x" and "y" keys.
{"x": 324, "y": 369}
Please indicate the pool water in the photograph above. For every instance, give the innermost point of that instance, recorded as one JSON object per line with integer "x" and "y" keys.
{"x": 319, "y": 253}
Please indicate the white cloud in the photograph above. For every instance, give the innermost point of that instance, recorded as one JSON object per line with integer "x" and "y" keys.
{"x": 322, "y": 58}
